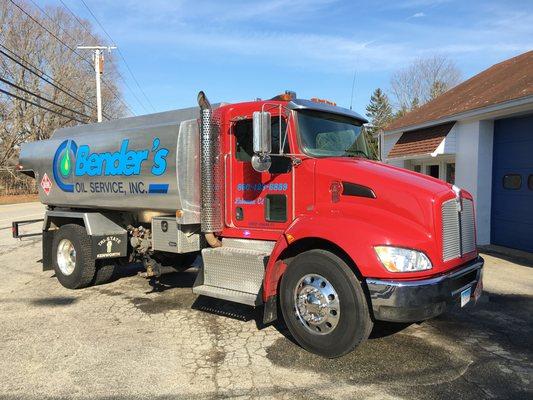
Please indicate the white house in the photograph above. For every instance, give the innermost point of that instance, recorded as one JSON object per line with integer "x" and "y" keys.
{"x": 479, "y": 136}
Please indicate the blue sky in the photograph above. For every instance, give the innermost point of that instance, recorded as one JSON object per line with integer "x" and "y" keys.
{"x": 243, "y": 49}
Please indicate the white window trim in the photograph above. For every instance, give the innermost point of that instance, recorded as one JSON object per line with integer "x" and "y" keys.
{"x": 441, "y": 162}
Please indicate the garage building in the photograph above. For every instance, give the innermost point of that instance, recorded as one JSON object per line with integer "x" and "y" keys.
{"x": 479, "y": 136}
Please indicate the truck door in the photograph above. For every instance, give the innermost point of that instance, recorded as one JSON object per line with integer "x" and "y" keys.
{"x": 259, "y": 201}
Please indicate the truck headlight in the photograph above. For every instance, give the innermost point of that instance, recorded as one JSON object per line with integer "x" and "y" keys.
{"x": 397, "y": 259}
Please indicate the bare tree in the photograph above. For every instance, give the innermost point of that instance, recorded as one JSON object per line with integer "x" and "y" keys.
{"x": 73, "y": 77}
{"x": 422, "y": 81}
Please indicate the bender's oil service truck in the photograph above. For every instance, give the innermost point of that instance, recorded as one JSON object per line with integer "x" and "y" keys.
{"x": 280, "y": 201}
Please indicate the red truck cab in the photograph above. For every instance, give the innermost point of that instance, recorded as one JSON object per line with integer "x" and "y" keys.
{"x": 403, "y": 240}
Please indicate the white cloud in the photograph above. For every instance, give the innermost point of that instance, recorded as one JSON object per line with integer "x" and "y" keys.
{"x": 265, "y": 32}
{"x": 301, "y": 50}
{"x": 166, "y": 11}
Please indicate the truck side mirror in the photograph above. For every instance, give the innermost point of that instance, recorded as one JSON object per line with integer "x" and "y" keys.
{"x": 262, "y": 140}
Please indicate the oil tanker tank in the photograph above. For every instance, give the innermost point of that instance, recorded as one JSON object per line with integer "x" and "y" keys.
{"x": 148, "y": 163}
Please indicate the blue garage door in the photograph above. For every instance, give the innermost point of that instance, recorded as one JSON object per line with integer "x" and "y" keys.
{"x": 512, "y": 186}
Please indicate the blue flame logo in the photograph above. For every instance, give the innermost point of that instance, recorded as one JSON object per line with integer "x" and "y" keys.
{"x": 63, "y": 164}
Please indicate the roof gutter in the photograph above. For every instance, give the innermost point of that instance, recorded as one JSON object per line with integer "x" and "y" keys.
{"x": 465, "y": 115}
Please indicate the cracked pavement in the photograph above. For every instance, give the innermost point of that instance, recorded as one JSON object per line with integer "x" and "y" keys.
{"x": 124, "y": 340}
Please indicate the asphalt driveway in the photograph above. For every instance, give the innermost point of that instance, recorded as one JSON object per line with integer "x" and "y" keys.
{"x": 125, "y": 340}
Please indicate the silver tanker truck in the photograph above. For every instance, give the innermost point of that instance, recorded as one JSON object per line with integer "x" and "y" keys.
{"x": 279, "y": 199}
{"x": 122, "y": 190}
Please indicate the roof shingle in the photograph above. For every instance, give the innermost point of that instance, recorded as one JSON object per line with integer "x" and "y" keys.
{"x": 509, "y": 80}
{"x": 420, "y": 141}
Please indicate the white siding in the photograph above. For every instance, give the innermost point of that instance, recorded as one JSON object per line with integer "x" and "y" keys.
{"x": 449, "y": 141}
{"x": 474, "y": 141}
{"x": 447, "y": 146}
{"x": 389, "y": 142}
{"x": 397, "y": 163}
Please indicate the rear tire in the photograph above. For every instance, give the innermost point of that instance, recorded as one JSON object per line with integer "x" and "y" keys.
{"x": 72, "y": 257}
{"x": 324, "y": 305}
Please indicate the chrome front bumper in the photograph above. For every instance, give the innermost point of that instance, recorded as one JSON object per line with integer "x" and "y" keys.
{"x": 411, "y": 301}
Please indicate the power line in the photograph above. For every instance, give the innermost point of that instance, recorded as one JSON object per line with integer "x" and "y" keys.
{"x": 121, "y": 56}
{"x": 79, "y": 21}
{"x": 120, "y": 53}
{"x": 42, "y": 98}
{"x": 51, "y": 19}
{"x": 40, "y": 106}
{"x": 45, "y": 77}
{"x": 96, "y": 40}
{"x": 51, "y": 33}
{"x": 71, "y": 49}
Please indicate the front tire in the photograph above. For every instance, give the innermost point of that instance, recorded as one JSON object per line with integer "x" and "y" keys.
{"x": 73, "y": 262}
{"x": 324, "y": 305}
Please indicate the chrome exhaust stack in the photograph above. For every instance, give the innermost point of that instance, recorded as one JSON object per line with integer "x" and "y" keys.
{"x": 211, "y": 185}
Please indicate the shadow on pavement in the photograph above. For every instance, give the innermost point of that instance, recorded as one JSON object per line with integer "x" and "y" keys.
{"x": 54, "y": 301}
{"x": 479, "y": 352}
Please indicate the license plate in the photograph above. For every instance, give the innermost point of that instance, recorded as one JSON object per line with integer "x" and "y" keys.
{"x": 465, "y": 296}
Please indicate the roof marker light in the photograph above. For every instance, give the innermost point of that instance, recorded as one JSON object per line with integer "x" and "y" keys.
{"x": 287, "y": 96}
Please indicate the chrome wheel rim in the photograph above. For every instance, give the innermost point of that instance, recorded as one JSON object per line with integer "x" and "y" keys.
{"x": 66, "y": 257}
{"x": 317, "y": 304}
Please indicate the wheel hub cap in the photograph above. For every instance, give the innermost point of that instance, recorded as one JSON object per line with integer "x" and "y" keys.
{"x": 317, "y": 304}
{"x": 66, "y": 257}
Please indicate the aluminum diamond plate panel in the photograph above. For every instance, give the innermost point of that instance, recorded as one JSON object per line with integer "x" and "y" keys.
{"x": 234, "y": 268}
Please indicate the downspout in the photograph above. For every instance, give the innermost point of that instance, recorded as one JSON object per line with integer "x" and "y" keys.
{"x": 210, "y": 173}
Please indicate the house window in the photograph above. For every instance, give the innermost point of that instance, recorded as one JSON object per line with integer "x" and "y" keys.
{"x": 512, "y": 181}
{"x": 433, "y": 170}
{"x": 417, "y": 168}
{"x": 450, "y": 173}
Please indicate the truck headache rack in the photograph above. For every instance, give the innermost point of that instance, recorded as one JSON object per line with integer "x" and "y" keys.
{"x": 16, "y": 224}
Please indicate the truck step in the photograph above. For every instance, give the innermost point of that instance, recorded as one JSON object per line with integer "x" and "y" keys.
{"x": 265, "y": 246}
{"x": 227, "y": 294}
{"x": 234, "y": 271}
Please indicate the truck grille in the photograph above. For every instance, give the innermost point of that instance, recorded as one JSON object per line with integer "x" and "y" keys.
{"x": 458, "y": 229}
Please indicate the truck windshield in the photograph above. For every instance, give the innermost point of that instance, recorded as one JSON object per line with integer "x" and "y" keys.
{"x": 330, "y": 135}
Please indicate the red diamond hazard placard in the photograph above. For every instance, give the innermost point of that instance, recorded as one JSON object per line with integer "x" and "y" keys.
{"x": 46, "y": 184}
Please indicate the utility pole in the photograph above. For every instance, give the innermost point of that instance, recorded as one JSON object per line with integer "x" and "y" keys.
{"x": 99, "y": 70}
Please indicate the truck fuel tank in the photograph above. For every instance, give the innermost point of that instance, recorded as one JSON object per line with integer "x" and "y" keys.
{"x": 134, "y": 164}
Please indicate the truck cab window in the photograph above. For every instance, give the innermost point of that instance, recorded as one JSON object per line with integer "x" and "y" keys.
{"x": 244, "y": 150}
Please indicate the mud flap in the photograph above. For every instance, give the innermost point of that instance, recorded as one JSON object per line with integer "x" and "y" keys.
{"x": 270, "y": 312}
{"x": 48, "y": 237}
{"x": 110, "y": 246}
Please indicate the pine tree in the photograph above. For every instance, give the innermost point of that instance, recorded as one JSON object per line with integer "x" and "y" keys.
{"x": 437, "y": 88}
{"x": 379, "y": 111}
